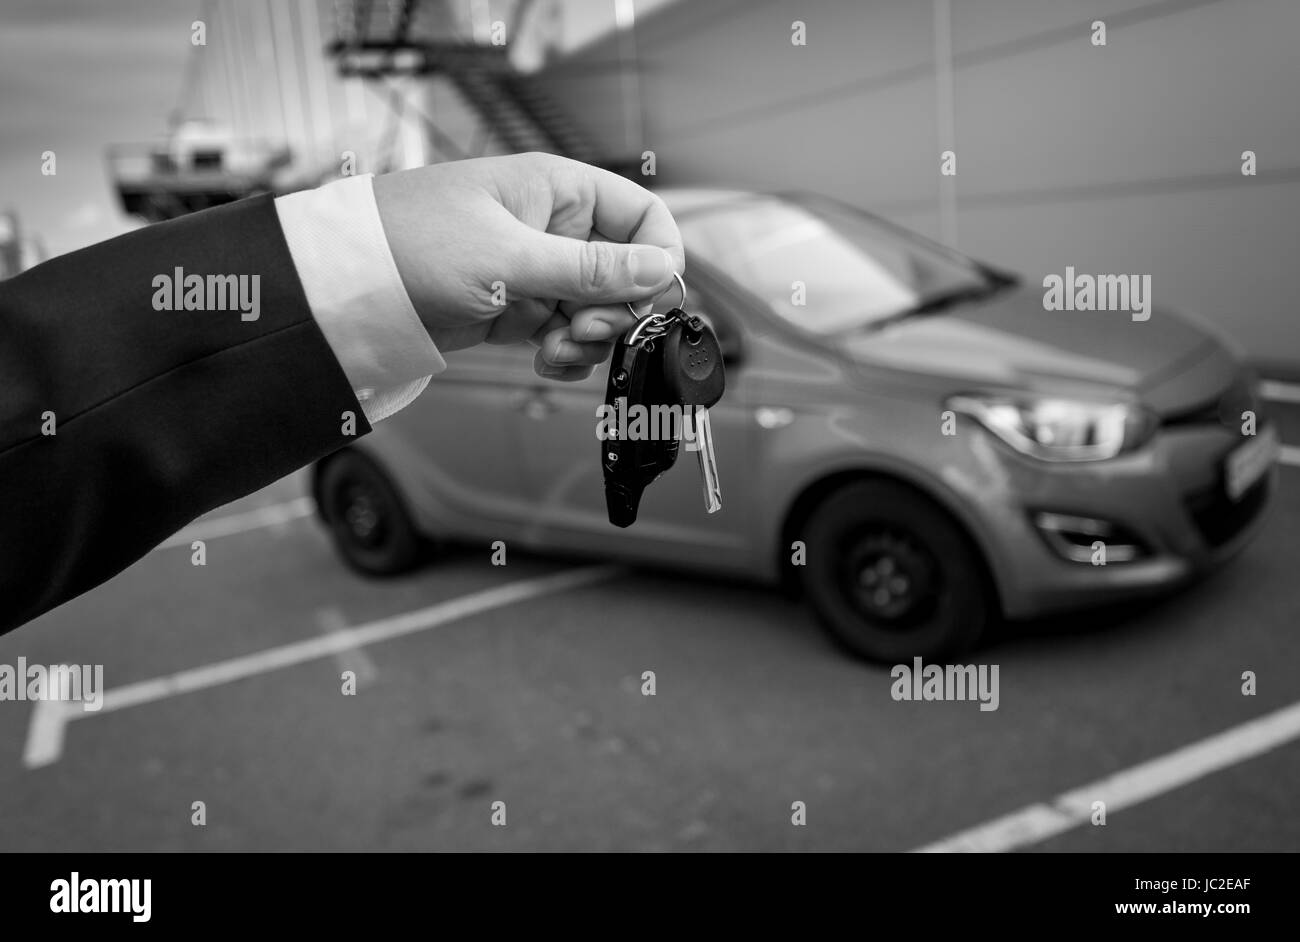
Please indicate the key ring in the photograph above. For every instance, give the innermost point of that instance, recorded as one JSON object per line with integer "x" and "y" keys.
{"x": 681, "y": 286}
{"x": 648, "y": 327}
{"x": 653, "y": 325}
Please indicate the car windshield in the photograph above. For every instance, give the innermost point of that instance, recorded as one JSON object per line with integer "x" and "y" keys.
{"x": 855, "y": 271}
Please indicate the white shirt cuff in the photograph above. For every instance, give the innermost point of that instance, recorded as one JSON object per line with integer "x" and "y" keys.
{"x": 356, "y": 294}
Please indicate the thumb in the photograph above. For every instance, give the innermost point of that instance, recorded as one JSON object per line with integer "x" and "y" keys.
{"x": 551, "y": 266}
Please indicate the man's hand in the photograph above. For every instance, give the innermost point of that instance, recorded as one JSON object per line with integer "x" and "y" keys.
{"x": 568, "y": 244}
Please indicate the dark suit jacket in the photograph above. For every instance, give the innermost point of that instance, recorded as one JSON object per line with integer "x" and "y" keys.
{"x": 159, "y": 416}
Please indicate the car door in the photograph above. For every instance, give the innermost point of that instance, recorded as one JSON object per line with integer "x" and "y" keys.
{"x": 457, "y": 445}
{"x": 561, "y": 456}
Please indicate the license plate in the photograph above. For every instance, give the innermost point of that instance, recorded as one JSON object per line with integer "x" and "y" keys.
{"x": 1250, "y": 462}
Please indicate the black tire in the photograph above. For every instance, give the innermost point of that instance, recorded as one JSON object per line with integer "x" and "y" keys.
{"x": 891, "y": 576}
{"x": 371, "y": 527}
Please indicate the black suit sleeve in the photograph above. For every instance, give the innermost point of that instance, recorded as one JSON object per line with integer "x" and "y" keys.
{"x": 158, "y": 416}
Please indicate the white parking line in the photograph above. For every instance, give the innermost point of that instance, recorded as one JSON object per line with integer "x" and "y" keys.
{"x": 1279, "y": 392}
{"x": 241, "y": 522}
{"x": 45, "y": 733}
{"x": 1129, "y": 787}
{"x": 331, "y": 621}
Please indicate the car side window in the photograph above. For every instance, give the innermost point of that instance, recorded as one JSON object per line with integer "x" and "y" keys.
{"x": 700, "y": 302}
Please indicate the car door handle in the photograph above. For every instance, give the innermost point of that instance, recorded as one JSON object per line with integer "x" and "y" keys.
{"x": 535, "y": 404}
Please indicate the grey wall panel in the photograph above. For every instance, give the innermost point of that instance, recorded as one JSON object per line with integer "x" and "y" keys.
{"x": 1123, "y": 158}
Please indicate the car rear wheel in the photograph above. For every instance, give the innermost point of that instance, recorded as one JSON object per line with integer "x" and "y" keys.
{"x": 891, "y": 576}
{"x": 367, "y": 519}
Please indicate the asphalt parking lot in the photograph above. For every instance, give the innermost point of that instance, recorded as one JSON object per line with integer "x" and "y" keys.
{"x": 522, "y": 684}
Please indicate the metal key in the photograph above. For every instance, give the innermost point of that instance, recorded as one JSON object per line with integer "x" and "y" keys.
{"x": 695, "y": 379}
{"x": 631, "y": 465}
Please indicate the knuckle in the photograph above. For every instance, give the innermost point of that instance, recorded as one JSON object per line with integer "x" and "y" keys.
{"x": 597, "y": 267}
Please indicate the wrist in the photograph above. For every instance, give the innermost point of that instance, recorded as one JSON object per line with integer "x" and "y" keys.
{"x": 400, "y": 215}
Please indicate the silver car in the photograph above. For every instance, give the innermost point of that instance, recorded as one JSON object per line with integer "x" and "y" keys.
{"x": 908, "y": 437}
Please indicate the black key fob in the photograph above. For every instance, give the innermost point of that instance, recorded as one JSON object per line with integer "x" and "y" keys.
{"x": 692, "y": 359}
{"x": 636, "y": 379}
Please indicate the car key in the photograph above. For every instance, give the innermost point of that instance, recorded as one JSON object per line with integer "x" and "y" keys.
{"x": 636, "y": 377}
{"x": 694, "y": 377}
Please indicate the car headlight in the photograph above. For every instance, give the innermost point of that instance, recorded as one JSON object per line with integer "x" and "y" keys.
{"x": 1060, "y": 429}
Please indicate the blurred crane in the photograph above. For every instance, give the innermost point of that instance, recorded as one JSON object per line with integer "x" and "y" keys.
{"x": 258, "y": 111}
{"x": 424, "y": 38}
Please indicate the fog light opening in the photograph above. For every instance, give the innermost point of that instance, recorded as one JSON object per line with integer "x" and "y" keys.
{"x": 1074, "y": 538}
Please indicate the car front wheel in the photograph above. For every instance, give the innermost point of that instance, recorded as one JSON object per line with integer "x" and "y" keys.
{"x": 371, "y": 528}
{"x": 891, "y": 576}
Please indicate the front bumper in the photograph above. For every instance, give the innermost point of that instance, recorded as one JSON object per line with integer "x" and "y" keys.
{"x": 1169, "y": 497}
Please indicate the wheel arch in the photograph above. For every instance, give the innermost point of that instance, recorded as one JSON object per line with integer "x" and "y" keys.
{"x": 814, "y": 492}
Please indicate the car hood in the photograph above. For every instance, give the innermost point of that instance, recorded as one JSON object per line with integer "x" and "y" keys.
{"x": 1010, "y": 341}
